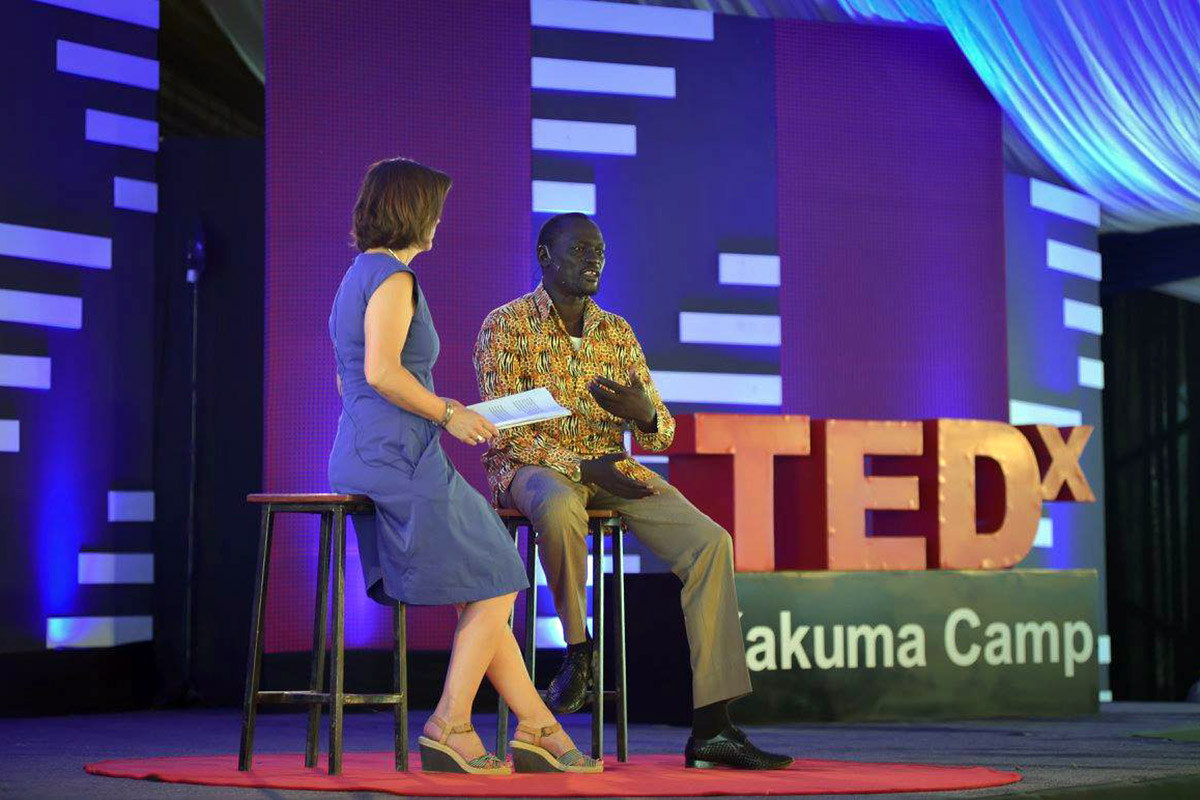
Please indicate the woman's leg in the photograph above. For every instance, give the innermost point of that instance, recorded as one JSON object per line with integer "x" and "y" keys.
{"x": 481, "y": 626}
{"x": 508, "y": 674}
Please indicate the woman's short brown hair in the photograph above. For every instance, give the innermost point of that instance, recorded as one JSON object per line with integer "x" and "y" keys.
{"x": 398, "y": 204}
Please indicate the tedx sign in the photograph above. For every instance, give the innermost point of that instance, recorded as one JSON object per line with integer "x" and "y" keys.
{"x": 798, "y": 493}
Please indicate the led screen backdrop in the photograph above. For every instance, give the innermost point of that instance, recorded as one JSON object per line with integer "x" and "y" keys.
{"x": 801, "y": 217}
{"x": 77, "y": 324}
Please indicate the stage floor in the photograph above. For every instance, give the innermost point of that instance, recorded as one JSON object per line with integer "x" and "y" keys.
{"x": 1096, "y": 757}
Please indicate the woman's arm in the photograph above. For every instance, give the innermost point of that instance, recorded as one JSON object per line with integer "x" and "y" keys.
{"x": 385, "y": 327}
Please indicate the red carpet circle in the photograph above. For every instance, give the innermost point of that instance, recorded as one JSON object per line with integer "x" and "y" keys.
{"x": 641, "y": 776}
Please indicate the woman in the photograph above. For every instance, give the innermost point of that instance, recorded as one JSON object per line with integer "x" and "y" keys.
{"x": 433, "y": 540}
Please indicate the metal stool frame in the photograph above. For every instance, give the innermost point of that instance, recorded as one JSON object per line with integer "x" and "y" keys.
{"x": 600, "y": 524}
{"x": 333, "y": 509}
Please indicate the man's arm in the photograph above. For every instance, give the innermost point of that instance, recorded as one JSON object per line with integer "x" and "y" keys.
{"x": 496, "y": 345}
{"x": 664, "y": 433}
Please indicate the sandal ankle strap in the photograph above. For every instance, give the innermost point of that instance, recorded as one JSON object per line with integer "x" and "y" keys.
{"x": 539, "y": 733}
{"x": 447, "y": 730}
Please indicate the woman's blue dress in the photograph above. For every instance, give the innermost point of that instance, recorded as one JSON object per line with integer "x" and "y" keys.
{"x": 433, "y": 540}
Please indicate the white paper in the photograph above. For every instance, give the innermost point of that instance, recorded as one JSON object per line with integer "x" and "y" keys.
{"x": 525, "y": 408}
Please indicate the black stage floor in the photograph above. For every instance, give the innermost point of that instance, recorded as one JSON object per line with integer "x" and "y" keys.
{"x": 1091, "y": 757}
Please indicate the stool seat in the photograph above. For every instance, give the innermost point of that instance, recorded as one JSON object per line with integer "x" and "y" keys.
{"x": 316, "y": 499}
{"x": 512, "y": 513}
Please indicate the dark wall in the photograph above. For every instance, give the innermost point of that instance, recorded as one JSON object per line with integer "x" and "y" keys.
{"x": 1152, "y": 466}
{"x": 212, "y": 187}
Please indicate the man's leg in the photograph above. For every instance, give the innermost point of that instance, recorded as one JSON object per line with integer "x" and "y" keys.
{"x": 700, "y": 553}
{"x": 557, "y": 507}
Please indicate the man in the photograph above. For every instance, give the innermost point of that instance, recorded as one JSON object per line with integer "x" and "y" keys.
{"x": 553, "y": 471}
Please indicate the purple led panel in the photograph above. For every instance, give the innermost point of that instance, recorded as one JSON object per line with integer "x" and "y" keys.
{"x": 890, "y": 226}
{"x": 447, "y": 84}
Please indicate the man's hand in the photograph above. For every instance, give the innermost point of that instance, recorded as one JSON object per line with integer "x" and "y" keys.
{"x": 625, "y": 401}
{"x": 603, "y": 472}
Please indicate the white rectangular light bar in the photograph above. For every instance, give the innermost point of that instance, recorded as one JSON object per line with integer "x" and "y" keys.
{"x": 602, "y": 77}
{"x": 633, "y": 565}
{"x": 1091, "y": 373}
{"x": 10, "y": 436}
{"x": 104, "y": 127}
{"x": 107, "y": 65}
{"x": 557, "y": 197}
{"x": 62, "y": 632}
{"x": 1045, "y": 534}
{"x": 719, "y": 388}
{"x": 602, "y": 17}
{"x": 1021, "y": 412}
{"x": 747, "y": 269}
{"x": 1104, "y": 649}
{"x": 131, "y": 506}
{"x": 24, "y": 372}
{"x": 112, "y": 568}
{"x": 135, "y": 195}
{"x": 652, "y": 459}
{"x": 549, "y": 632}
{"x": 138, "y": 12}
{"x": 61, "y": 247}
{"x": 36, "y": 308}
{"x": 573, "y": 136}
{"x": 1105, "y": 695}
{"x": 1086, "y": 317}
{"x": 1063, "y": 202}
{"x": 1072, "y": 259}
{"x": 697, "y": 327}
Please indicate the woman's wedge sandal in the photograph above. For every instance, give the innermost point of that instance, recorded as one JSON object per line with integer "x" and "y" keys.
{"x": 437, "y": 756}
{"x": 532, "y": 757}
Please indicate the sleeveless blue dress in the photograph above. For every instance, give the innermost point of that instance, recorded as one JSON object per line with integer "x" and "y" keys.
{"x": 433, "y": 540}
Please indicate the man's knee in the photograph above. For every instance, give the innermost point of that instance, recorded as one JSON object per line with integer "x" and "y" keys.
{"x": 556, "y": 511}
{"x": 715, "y": 539}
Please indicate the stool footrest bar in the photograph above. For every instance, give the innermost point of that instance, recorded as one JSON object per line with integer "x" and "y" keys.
{"x": 309, "y": 698}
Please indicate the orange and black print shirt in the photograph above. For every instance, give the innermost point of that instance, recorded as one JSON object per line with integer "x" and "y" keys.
{"x": 524, "y": 345}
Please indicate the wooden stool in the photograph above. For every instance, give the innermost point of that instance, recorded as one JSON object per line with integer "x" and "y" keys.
{"x": 600, "y": 524}
{"x": 332, "y": 509}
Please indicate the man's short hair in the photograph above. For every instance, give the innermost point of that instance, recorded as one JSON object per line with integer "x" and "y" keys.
{"x": 552, "y": 227}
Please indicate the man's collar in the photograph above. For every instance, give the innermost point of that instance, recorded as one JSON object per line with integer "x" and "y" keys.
{"x": 542, "y": 302}
{"x": 545, "y": 305}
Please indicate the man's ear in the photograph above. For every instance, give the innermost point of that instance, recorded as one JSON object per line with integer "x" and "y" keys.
{"x": 543, "y": 255}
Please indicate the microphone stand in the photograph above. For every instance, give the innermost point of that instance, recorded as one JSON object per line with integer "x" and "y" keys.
{"x": 195, "y": 262}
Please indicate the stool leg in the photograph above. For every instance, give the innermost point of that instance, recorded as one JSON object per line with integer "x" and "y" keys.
{"x": 597, "y": 640}
{"x": 531, "y": 602}
{"x": 337, "y": 645}
{"x": 317, "y": 677}
{"x": 400, "y": 683}
{"x": 618, "y": 554}
{"x": 501, "y": 706}
{"x": 254, "y": 659}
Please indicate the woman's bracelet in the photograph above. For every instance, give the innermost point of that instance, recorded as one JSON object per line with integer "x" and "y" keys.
{"x": 446, "y": 416}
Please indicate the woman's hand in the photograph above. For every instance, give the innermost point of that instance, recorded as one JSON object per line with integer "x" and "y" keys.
{"x": 468, "y": 426}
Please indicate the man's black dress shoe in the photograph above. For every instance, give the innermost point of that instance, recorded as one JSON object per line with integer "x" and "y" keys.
{"x": 569, "y": 689}
{"x": 730, "y": 748}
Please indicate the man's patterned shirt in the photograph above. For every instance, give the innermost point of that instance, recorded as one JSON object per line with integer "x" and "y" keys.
{"x": 524, "y": 345}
